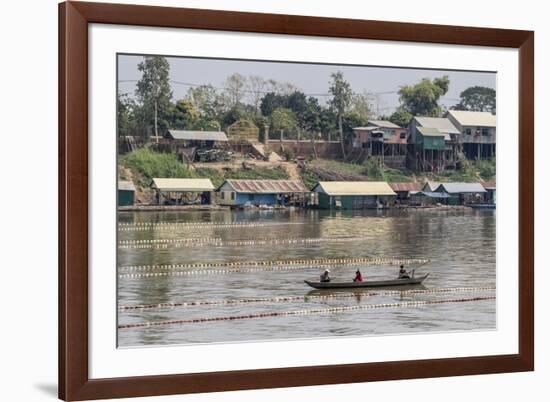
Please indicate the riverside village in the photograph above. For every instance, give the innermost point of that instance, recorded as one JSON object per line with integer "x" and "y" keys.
{"x": 272, "y": 180}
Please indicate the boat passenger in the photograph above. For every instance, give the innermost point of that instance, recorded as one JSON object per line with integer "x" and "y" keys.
{"x": 325, "y": 277}
{"x": 403, "y": 274}
{"x": 358, "y": 277}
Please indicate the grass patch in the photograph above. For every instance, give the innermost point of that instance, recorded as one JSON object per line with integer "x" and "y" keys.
{"x": 149, "y": 164}
{"x": 487, "y": 169}
{"x": 340, "y": 167}
{"x": 146, "y": 164}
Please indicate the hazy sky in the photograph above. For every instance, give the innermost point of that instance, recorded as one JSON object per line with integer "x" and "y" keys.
{"x": 312, "y": 79}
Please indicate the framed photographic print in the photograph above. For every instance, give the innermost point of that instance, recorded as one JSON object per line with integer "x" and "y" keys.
{"x": 259, "y": 200}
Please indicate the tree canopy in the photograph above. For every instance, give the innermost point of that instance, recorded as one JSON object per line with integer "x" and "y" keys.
{"x": 341, "y": 99}
{"x": 477, "y": 99}
{"x": 422, "y": 99}
{"x": 153, "y": 89}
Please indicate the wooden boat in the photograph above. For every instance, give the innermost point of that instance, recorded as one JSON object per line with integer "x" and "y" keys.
{"x": 368, "y": 284}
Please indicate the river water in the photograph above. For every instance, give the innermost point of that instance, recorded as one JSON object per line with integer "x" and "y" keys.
{"x": 460, "y": 245}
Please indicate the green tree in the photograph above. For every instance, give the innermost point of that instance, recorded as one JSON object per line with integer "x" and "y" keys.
{"x": 400, "y": 117}
{"x": 207, "y": 101}
{"x": 125, "y": 120}
{"x": 153, "y": 89}
{"x": 283, "y": 119}
{"x": 422, "y": 98}
{"x": 183, "y": 115}
{"x": 477, "y": 99}
{"x": 351, "y": 120}
{"x": 341, "y": 93}
{"x": 272, "y": 101}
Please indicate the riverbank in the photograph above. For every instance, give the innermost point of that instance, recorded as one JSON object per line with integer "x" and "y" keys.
{"x": 215, "y": 207}
{"x": 138, "y": 208}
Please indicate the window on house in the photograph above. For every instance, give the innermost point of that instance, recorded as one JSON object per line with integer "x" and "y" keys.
{"x": 232, "y": 196}
{"x": 222, "y": 195}
{"x": 484, "y": 131}
{"x": 468, "y": 131}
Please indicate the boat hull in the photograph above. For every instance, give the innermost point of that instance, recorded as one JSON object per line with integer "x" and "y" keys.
{"x": 367, "y": 284}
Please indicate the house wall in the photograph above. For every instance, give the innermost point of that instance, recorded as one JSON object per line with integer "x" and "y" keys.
{"x": 323, "y": 149}
{"x": 433, "y": 143}
{"x": 126, "y": 197}
{"x": 474, "y": 138}
{"x": 352, "y": 202}
{"x": 256, "y": 199}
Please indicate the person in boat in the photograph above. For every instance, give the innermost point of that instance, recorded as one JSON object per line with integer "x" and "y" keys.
{"x": 358, "y": 276}
{"x": 403, "y": 274}
{"x": 325, "y": 276}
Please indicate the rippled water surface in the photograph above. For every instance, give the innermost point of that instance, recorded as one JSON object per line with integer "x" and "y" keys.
{"x": 460, "y": 245}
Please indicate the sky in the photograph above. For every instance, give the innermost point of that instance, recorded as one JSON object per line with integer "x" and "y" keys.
{"x": 312, "y": 79}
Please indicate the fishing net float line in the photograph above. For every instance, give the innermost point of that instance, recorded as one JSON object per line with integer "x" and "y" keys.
{"x": 144, "y": 226}
{"x": 282, "y": 263}
{"x": 306, "y": 298}
{"x": 199, "y": 242}
{"x": 330, "y": 310}
{"x": 231, "y": 270}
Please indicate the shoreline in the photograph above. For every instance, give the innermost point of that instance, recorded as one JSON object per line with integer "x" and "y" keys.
{"x": 204, "y": 208}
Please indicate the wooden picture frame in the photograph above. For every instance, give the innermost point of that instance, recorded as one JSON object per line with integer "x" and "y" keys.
{"x": 74, "y": 381}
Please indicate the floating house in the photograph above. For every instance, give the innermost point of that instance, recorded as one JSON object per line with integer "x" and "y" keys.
{"x": 463, "y": 193}
{"x": 383, "y": 139}
{"x": 435, "y": 143}
{"x": 262, "y": 192}
{"x": 169, "y": 191}
{"x": 426, "y": 198}
{"x": 353, "y": 194}
{"x": 404, "y": 190}
{"x": 491, "y": 188}
{"x": 478, "y": 129}
{"x": 126, "y": 193}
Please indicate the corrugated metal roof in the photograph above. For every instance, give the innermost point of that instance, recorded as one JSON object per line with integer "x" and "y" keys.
{"x": 467, "y": 118}
{"x": 191, "y": 185}
{"x": 455, "y": 188}
{"x": 430, "y": 131}
{"x": 441, "y": 123}
{"x": 366, "y": 128}
{"x": 126, "y": 185}
{"x": 267, "y": 186}
{"x": 406, "y": 186}
{"x": 489, "y": 185}
{"x": 383, "y": 123}
{"x": 431, "y": 185}
{"x": 198, "y": 135}
{"x": 354, "y": 188}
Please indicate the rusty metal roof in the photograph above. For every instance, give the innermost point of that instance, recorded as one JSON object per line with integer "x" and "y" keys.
{"x": 267, "y": 186}
{"x": 406, "y": 186}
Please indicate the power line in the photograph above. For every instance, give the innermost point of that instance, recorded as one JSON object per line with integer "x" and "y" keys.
{"x": 189, "y": 84}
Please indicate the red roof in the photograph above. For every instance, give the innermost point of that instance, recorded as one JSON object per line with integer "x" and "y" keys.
{"x": 406, "y": 186}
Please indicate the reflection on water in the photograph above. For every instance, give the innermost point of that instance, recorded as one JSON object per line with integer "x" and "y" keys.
{"x": 460, "y": 245}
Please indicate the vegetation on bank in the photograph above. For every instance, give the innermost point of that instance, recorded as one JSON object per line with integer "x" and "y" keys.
{"x": 145, "y": 164}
